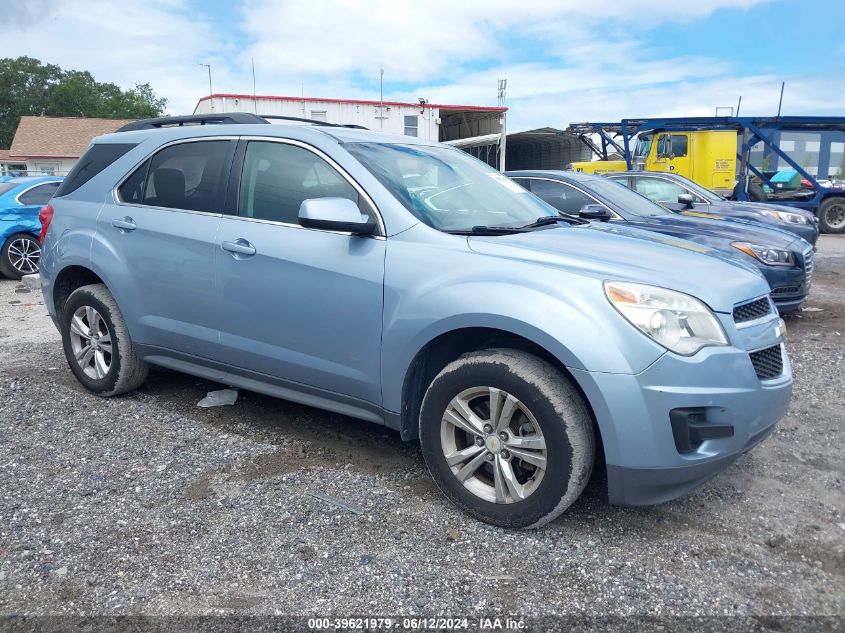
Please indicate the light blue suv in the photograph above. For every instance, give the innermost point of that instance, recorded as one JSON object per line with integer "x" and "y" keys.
{"x": 405, "y": 283}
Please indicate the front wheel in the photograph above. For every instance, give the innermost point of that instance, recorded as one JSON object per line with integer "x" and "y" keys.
{"x": 832, "y": 215}
{"x": 507, "y": 437}
{"x": 20, "y": 255}
{"x": 97, "y": 344}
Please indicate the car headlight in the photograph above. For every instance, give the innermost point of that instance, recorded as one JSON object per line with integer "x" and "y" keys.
{"x": 787, "y": 217}
{"x": 771, "y": 256}
{"x": 675, "y": 320}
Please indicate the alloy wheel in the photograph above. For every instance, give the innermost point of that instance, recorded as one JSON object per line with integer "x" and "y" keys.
{"x": 493, "y": 445}
{"x": 24, "y": 254}
{"x": 91, "y": 342}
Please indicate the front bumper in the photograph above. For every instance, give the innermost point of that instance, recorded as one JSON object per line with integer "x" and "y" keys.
{"x": 789, "y": 285}
{"x": 644, "y": 463}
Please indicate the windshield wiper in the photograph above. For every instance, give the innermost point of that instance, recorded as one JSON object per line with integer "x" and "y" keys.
{"x": 554, "y": 219}
{"x": 488, "y": 230}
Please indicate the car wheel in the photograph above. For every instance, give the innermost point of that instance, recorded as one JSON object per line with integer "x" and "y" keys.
{"x": 97, "y": 344}
{"x": 507, "y": 437}
{"x": 832, "y": 215}
{"x": 20, "y": 255}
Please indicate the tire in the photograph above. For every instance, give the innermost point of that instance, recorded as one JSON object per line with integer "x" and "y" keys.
{"x": 541, "y": 411}
{"x": 756, "y": 193}
{"x": 20, "y": 255}
{"x": 832, "y": 215}
{"x": 108, "y": 364}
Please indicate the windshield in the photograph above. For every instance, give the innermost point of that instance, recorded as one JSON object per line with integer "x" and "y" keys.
{"x": 626, "y": 200}
{"x": 448, "y": 189}
{"x": 643, "y": 145}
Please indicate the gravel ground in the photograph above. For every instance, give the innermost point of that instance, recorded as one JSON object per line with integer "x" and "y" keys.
{"x": 146, "y": 504}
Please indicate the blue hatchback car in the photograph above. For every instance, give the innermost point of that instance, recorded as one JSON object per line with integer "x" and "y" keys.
{"x": 21, "y": 199}
{"x": 785, "y": 260}
{"x": 686, "y": 197}
{"x": 405, "y": 283}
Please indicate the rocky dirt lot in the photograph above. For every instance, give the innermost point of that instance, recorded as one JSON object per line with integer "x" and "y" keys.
{"x": 146, "y": 504}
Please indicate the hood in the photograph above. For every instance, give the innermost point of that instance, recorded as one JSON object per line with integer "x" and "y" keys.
{"x": 744, "y": 209}
{"x": 718, "y": 233}
{"x": 763, "y": 207}
{"x": 618, "y": 252}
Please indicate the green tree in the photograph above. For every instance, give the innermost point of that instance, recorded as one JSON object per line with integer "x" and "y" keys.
{"x": 28, "y": 87}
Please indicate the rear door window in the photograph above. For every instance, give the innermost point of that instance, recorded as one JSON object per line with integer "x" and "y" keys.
{"x": 189, "y": 176}
{"x": 39, "y": 195}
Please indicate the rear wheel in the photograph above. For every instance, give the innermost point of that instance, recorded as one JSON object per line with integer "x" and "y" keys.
{"x": 507, "y": 437}
{"x": 832, "y": 215}
{"x": 97, "y": 344}
{"x": 20, "y": 255}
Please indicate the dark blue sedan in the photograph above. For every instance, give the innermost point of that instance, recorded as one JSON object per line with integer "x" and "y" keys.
{"x": 785, "y": 260}
{"x": 686, "y": 197}
{"x": 20, "y": 201}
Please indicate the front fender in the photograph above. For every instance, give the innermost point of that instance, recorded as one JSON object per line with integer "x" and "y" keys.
{"x": 565, "y": 314}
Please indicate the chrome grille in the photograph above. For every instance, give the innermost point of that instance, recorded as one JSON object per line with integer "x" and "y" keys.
{"x": 808, "y": 265}
{"x": 768, "y": 363}
{"x": 752, "y": 310}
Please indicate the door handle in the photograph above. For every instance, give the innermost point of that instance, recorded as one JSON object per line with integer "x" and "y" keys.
{"x": 239, "y": 247}
{"x": 125, "y": 224}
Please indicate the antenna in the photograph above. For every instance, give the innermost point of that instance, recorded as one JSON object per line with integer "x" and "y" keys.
{"x": 503, "y": 87}
{"x": 254, "y": 99}
{"x": 381, "y": 98}
{"x": 780, "y": 103}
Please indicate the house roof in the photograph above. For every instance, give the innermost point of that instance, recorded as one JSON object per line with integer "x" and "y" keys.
{"x": 4, "y": 154}
{"x": 58, "y": 137}
{"x": 352, "y": 101}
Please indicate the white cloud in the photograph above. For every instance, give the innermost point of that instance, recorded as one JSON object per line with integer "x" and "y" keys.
{"x": 133, "y": 41}
{"x": 586, "y": 60}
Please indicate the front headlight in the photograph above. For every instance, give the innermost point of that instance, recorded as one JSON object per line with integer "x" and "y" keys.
{"x": 676, "y": 321}
{"x": 771, "y": 256}
{"x": 786, "y": 217}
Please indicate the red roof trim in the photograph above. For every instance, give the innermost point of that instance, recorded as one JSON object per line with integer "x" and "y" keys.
{"x": 28, "y": 156}
{"x": 350, "y": 101}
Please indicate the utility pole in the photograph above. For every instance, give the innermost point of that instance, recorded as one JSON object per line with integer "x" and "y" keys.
{"x": 503, "y": 141}
{"x": 210, "y": 91}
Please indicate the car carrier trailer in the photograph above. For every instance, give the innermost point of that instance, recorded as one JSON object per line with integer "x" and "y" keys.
{"x": 713, "y": 156}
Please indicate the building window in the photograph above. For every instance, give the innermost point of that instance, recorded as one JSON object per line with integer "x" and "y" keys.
{"x": 319, "y": 115}
{"x": 412, "y": 125}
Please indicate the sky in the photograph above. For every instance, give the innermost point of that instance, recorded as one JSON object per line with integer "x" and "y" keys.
{"x": 565, "y": 60}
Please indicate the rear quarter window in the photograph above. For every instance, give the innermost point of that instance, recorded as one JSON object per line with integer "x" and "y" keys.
{"x": 95, "y": 160}
{"x": 39, "y": 195}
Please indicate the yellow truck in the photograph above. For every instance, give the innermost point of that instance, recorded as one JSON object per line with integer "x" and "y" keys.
{"x": 706, "y": 156}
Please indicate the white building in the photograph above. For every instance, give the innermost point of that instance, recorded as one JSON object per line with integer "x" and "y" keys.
{"x": 426, "y": 120}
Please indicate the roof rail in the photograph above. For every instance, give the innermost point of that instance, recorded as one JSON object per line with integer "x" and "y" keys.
{"x": 225, "y": 118}
{"x": 194, "y": 119}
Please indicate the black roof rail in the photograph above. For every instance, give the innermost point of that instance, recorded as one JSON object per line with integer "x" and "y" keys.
{"x": 311, "y": 121}
{"x": 225, "y": 118}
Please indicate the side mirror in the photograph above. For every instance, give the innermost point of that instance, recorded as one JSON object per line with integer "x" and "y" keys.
{"x": 687, "y": 199}
{"x": 335, "y": 214}
{"x": 595, "y": 212}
